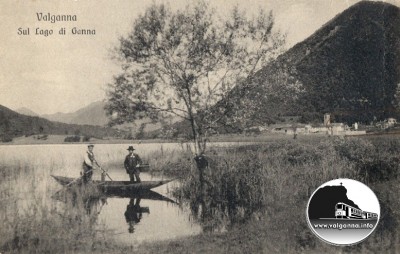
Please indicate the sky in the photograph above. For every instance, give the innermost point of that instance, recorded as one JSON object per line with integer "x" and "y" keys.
{"x": 63, "y": 73}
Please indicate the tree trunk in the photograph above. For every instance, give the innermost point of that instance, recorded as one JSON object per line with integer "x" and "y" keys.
{"x": 202, "y": 164}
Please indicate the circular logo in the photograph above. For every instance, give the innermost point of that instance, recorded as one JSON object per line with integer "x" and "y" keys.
{"x": 343, "y": 212}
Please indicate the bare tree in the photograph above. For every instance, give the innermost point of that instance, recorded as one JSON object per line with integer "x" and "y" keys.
{"x": 183, "y": 63}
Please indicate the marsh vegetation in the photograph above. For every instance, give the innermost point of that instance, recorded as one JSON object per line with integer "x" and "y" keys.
{"x": 253, "y": 198}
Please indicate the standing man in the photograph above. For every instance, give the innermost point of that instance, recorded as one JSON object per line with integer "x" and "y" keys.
{"x": 131, "y": 164}
{"x": 88, "y": 164}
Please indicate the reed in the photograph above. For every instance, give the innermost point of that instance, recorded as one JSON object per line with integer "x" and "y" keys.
{"x": 34, "y": 223}
{"x": 272, "y": 182}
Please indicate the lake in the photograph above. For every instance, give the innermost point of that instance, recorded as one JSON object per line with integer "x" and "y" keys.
{"x": 159, "y": 219}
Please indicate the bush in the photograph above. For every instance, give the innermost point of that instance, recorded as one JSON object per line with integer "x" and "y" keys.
{"x": 86, "y": 139}
{"x": 374, "y": 160}
{"x": 72, "y": 139}
{"x": 42, "y": 137}
{"x": 6, "y": 138}
{"x": 129, "y": 136}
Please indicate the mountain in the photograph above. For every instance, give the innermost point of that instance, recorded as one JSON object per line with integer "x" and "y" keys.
{"x": 26, "y": 111}
{"x": 59, "y": 117}
{"x": 350, "y": 68}
{"x": 13, "y": 124}
{"x": 92, "y": 114}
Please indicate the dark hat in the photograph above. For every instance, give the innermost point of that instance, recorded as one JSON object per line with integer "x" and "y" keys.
{"x": 91, "y": 145}
{"x": 130, "y": 148}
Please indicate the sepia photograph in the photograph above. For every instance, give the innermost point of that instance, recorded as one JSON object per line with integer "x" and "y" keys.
{"x": 225, "y": 126}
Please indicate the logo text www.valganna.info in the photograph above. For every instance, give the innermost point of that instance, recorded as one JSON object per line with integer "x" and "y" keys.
{"x": 341, "y": 226}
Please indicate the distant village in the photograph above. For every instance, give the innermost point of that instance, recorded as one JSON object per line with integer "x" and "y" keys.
{"x": 327, "y": 128}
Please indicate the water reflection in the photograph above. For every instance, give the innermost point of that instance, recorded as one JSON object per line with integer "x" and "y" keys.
{"x": 93, "y": 206}
{"x": 134, "y": 213}
{"x": 91, "y": 199}
{"x": 127, "y": 214}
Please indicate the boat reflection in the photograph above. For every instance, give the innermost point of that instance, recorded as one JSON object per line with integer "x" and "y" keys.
{"x": 85, "y": 194}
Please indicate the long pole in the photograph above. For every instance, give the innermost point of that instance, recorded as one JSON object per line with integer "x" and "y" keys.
{"x": 105, "y": 172}
{"x": 78, "y": 178}
{"x": 89, "y": 172}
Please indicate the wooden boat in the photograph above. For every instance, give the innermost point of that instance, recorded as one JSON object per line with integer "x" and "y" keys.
{"x": 113, "y": 186}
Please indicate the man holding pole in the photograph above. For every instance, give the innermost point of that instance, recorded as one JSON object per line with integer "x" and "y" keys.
{"x": 88, "y": 164}
{"x": 131, "y": 164}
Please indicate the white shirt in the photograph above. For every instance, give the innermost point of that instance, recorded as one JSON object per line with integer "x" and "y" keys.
{"x": 87, "y": 159}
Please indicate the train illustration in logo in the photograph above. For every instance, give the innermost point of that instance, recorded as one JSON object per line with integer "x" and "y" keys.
{"x": 343, "y": 210}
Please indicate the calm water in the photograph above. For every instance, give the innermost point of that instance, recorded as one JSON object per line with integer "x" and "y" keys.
{"x": 159, "y": 220}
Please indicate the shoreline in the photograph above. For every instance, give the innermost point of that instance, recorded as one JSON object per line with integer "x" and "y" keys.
{"x": 232, "y": 138}
{"x": 261, "y": 138}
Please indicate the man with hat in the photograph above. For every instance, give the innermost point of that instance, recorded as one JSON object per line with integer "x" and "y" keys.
{"x": 88, "y": 164}
{"x": 131, "y": 164}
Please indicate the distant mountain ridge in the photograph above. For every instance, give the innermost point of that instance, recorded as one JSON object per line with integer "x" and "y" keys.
{"x": 93, "y": 114}
{"x": 13, "y": 124}
{"x": 26, "y": 111}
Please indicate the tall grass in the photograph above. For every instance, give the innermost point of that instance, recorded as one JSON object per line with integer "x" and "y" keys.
{"x": 272, "y": 183}
{"x": 33, "y": 223}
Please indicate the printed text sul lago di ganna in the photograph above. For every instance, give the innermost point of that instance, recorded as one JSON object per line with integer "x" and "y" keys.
{"x": 49, "y": 29}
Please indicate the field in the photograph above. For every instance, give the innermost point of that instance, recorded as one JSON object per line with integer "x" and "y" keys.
{"x": 251, "y": 199}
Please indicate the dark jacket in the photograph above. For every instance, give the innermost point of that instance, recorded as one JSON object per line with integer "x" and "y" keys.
{"x": 131, "y": 161}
